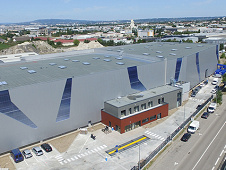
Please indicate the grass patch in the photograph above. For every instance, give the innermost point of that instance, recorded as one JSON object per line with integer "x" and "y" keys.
{"x": 156, "y": 157}
{"x": 4, "y": 46}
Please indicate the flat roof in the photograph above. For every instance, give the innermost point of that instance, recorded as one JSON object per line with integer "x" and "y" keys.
{"x": 57, "y": 66}
{"x": 157, "y": 51}
{"x": 126, "y": 100}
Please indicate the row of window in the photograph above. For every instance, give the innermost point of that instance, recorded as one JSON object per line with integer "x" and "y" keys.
{"x": 151, "y": 118}
{"x": 141, "y": 107}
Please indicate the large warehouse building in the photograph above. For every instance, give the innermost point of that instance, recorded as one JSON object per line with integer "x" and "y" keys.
{"x": 47, "y": 95}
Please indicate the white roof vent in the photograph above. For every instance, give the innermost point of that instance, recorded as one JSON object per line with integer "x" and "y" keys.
{"x": 119, "y": 58}
{"x": 23, "y": 68}
{"x": 62, "y": 67}
{"x": 31, "y": 71}
{"x": 107, "y": 60}
{"x": 173, "y": 54}
{"x": 66, "y": 59}
{"x": 159, "y": 56}
{"x": 188, "y": 47}
{"x": 146, "y": 54}
{"x": 52, "y": 64}
{"x": 174, "y": 49}
{"x": 107, "y": 56}
{"x": 86, "y": 63}
{"x": 3, "y": 83}
{"x": 120, "y": 63}
{"x": 75, "y": 60}
{"x": 96, "y": 58}
{"x": 158, "y": 51}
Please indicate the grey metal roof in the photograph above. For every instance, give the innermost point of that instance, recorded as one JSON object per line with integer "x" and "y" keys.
{"x": 51, "y": 67}
{"x": 125, "y": 100}
{"x": 55, "y": 69}
{"x": 157, "y": 51}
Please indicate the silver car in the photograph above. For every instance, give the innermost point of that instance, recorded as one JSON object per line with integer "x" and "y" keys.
{"x": 37, "y": 150}
{"x": 27, "y": 153}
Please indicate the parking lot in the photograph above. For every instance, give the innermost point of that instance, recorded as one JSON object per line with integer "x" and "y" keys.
{"x": 80, "y": 151}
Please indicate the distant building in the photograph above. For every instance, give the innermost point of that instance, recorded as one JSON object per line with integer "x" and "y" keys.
{"x": 145, "y": 33}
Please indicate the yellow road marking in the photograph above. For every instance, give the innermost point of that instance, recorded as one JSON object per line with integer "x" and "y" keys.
{"x": 127, "y": 145}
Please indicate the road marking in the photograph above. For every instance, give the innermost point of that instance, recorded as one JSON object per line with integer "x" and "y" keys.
{"x": 75, "y": 157}
{"x": 217, "y": 161}
{"x": 208, "y": 146}
{"x": 82, "y": 155}
{"x": 222, "y": 152}
{"x": 86, "y": 153}
{"x": 65, "y": 161}
{"x": 58, "y": 156}
{"x": 61, "y": 163}
{"x": 60, "y": 159}
{"x": 25, "y": 162}
{"x": 68, "y": 160}
{"x": 105, "y": 146}
{"x": 93, "y": 151}
{"x": 175, "y": 163}
{"x": 83, "y": 145}
{"x": 225, "y": 147}
{"x": 72, "y": 159}
{"x": 128, "y": 145}
{"x": 98, "y": 148}
{"x": 213, "y": 168}
{"x": 79, "y": 156}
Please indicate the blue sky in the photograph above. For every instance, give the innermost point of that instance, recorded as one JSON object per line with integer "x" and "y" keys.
{"x": 29, "y": 10}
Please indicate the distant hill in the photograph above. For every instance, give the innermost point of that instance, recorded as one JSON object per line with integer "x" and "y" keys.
{"x": 152, "y": 20}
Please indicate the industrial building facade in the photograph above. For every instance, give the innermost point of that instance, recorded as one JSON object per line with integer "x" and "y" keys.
{"x": 48, "y": 95}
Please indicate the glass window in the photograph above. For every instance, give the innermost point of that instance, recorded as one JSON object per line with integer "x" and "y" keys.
{"x": 143, "y": 106}
{"x": 130, "y": 111}
{"x": 163, "y": 99}
{"x": 159, "y": 101}
{"x": 150, "y": 104}
{"x": 123, "y": 113}
{"x": 136, "y": 109}
{"x": 152, "y": 117}
{"x": 159, "y": 116}
{"x": 145, "y": 120}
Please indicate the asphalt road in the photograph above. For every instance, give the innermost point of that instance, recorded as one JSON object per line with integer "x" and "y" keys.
{"x": 204, "y": 150}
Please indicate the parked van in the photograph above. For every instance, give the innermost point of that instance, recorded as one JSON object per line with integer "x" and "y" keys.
{"x": 215, "y": 81}
{"x": 212, "y": 107}
{"x": 17, "y": 155}
{"x": 193, "y": 126}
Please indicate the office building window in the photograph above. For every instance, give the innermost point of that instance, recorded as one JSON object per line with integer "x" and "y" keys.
{"x": 143, "y": 106}
{"x": 159, "y": 116}
{"x": 130, "y": 111}
{"x": 123, "y": 113}
{"x": 159, "y": 101}
{"x": 136, "y": 109}
{"x": 145, "y": 120}
{"x": 163, "y": 99}
{"x": 153, "y": 117}
{"x": 150, "y": 104}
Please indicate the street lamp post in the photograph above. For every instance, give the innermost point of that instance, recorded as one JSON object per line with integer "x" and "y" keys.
{"x": 139, "y": 158}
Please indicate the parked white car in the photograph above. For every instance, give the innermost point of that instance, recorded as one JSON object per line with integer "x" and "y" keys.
{"x": 37, "y": 150}
{"x": 212, "y": 107}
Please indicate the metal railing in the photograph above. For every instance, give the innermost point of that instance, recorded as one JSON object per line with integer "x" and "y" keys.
{"x": 144, "y": 162}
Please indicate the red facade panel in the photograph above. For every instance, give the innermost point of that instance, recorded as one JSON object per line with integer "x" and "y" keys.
{"x": 106, "y": 118}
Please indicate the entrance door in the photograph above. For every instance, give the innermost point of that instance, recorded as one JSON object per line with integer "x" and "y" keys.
{"x": 109, "y": 124}
{"x": 159, "y": 116}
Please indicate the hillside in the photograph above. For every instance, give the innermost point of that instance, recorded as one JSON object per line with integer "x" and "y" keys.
{"x": 42, "y": 47}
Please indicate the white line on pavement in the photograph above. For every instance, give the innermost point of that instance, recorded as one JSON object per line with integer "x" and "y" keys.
{"x": 217, "y": 161}
{"x": 208, "y": 146}
{"x": 222, "y": 152}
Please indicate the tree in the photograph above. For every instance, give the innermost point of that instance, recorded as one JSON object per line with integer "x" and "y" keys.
{"x": 59, "y": 43}
{"x": 86, "y": 41}
{"x": 76, "y": 42}
{"x": 222, "y": 55}
{"x": 221, "y": 47}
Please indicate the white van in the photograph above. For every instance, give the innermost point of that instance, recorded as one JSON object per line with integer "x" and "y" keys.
{"x": 193, "y": 126}
{"x": 215, "y": 81}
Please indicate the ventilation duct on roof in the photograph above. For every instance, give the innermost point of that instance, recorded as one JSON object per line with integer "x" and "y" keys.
{"x": 62, "y": 67}
{"x": 120, "y": 63}
{"x": 31, "y": 71}
{"x": 23, "y": 68}
{"x": 86, "y": 63}
{"x": 75, "y": 60}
